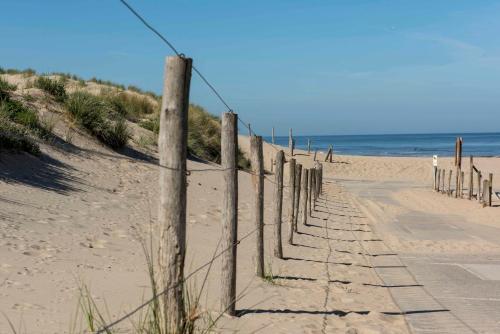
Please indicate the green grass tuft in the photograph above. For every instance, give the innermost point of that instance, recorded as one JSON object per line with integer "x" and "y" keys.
{"x": 16, "y": 112}
{"x": 94, "y": 114}
{"x": 56, "y": 88}
{"x": 16, "y": 139}
{"x": 130, "y": 106}
{"x": 5, "y": 86}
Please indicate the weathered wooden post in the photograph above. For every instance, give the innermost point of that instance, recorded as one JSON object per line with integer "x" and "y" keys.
{"x": 458, "y": 164}
{"x": 490, "y": 189}
{"x": 443, "y": 172}
{"x": 272, "y": 136}
{"x": 308, "y": 146}
{"x": 278, "y": 204}
{"x": 291, "y": 194}
{"x": 290, "y": 142}
{"x": 298, "y": 177}
{"x": 449, "y": 183}
{"x": 471, "y": 178}
{"x": 320, "y": 184}
{"x": 305, "y": 181}
{"x": 462, "y": 177}
{"x": 315, "y": 153}
{"x": 317, "y": 183}
{"x": 331, "y": 153}
{"x": 172, "y": 148}
{"x": 479, "y": 186}
{"x": 257, "y": 162}
{"x": 438, "y": 184}
{"x": 328, "y": 153}
{"x": 313, "y": 187}
{"x": 229, "y": 154}
{"x": 309, "y": 187}
{"x": 486, "y": 191}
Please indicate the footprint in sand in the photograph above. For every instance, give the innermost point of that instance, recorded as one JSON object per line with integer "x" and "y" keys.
{"x": 27, "y": 306}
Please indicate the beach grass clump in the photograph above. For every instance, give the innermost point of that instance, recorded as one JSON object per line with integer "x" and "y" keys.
{"x": 130, "y": 106}
{"x": 14, "y": 138}
{"x": 14, "y": 111}
{"x": 5, "y": 88}
{"x": 204, "y": 135}
{"x": 97, "y": 116}
{"x": 107, "y": 83}
{"x": 56, "y": 88}
{"x": 26, "y": 72}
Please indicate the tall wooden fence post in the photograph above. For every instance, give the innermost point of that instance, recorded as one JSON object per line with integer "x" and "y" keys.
{"x": 471, "y": 178}
{"x": 490, "y": 189}
{"x": 479, "y": 186}
{"x": 449, "y": 183}
{"x": 443, "y": 172}
{"x": 486, "y": 190}
{"x": 313, "y": 188}
{"x": 305, "y": 180}
{"x": 229, "y": 153}
{"x": 257, "y": 162}
{"x": 462, "y": 177}
{"x": 272, "y": 136}
{"x": 290, "y": 142}
{"x": 278, "y": 204}
{"x": 308, "y": 146}
{"x": 309, "y": 196}
{"x": 291, "y": 197}
{"x": 298, "y": 177}
{"x": 438, "y": 185}
{"x": 172, "y": 148}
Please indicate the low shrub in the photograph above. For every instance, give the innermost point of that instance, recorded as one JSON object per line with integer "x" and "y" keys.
{"x": 56, "y": 88}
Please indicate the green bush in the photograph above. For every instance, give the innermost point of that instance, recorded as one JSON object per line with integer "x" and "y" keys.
{"x": 94, "y": 114}
{"x": 53, "y": 87}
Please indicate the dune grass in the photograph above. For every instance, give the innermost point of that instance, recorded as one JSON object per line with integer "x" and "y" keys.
{"x": 97, "y": 116}
{"x": 131, "y": 106}
{"x": 56, "y": 88}
{"x": 18, "y": 123}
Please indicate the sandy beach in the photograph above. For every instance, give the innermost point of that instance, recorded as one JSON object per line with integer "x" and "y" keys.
{"x": 78, "y": 217}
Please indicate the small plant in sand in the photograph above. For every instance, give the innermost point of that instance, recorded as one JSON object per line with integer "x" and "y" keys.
{"x": 269, "y": 276}
{"x": 149, "y": 319}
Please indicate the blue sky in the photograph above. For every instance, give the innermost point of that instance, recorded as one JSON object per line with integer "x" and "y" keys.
{"x": 321, "y": 67}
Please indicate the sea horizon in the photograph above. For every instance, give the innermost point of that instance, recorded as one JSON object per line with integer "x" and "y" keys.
{"x": 480, "y": 144}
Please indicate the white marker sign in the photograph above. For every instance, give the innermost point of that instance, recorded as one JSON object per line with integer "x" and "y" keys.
{"x": 435, "y": 160}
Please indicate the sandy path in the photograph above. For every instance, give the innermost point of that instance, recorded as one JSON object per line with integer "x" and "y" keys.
{"x": 78, "y": 216}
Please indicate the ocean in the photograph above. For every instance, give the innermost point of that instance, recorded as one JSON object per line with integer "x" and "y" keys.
{"x": 401, "y": 145}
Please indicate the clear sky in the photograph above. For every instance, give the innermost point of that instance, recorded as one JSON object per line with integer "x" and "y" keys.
{"x": 321, "y": 67}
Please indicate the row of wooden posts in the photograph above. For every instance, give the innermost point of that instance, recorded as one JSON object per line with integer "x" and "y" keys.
{"x": 291, "y": 147}
{"x": 484, "y": 187}
{"x": 304, "y": 188}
